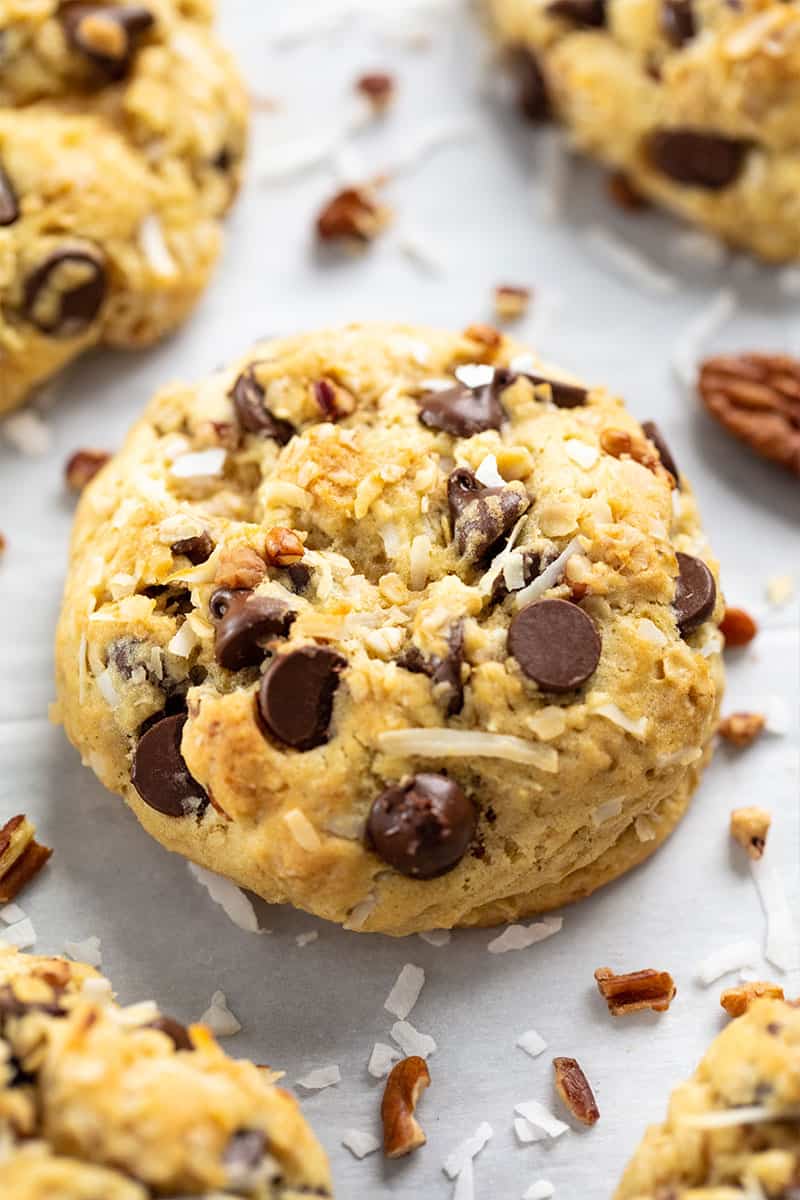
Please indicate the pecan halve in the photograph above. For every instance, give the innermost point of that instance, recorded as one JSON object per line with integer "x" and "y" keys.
{"x": 402, "y": 1132}
{"x": 354, "y": 214}
{"x": 82, "y": 466}
{"x": 756, "y": 397}
{"x": 635, "y": 991}
{"x": 575, "y": 1090}
{"x": 21, "y": 856}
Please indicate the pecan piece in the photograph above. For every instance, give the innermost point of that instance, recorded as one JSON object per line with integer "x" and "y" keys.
{"x": 635, "y": 991}
{"x": 741, "y": 728}
{"x": 378, "y": 88}
{"x": 354, "y": 214}
{"x": 333, "y": 400}
{"x": 756, "y": 397}
{"x": 402, "y": 1132}
{"x": 737, "y": 1000}
{"x": 486, "y": 336}
{"x": 283, "y": 548}
{"x": 240, "y": 567}
{"x": 511, "y": 302}
{"x": 575, "y": 1090}
{"x": 749, "y": 827}
{"x": 21, "y": 856}
{"x": 82, "y": 466}
{"x": 619, "y": 443}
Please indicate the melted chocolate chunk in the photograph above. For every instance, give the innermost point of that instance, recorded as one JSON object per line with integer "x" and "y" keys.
{"x": 246, "y": 623}
{"x": 107, "y": 34}
{"x": 481, "y": 515}
{"x": 444, "y": 673}
{"x": 63, "y": 296}
{"x": 299, "y": 577}
{"x": 423, "y": 827}
{"x": 9, "y": 206}
{"x": 250, "y": 405}
{"x": 589, "y": 14}
{"x": 295, "y": 700}
{"x": 12, "y": 1006}
{"x": 197, "y": 549}
{"x": 677, "y": 21}
{"x": 177, "y": 1033}
{"x": 652, "y": 431}
{"x": 532, "y": 97}
{"x": 160, "y": 774}
{"x": 555, "y": 643}
{"x": 565, "y": 395}
{"x": 463, "y": 411}
{"x": 695, "y": 593}
{"x": 696, "y": 158}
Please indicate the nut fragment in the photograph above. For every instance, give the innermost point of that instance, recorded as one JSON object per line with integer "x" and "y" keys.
{"x": 378, "y": 88}
{"x": 240, "y": 567}
{"x": 741, "y": 728}
{"x": 757, "y": 399}
{"x": 486, "y": 336}
{"x": 82, "y": 467}
{"x": 510, "y": 302}
{"x": 635, "y": 991}
{"x": 619, "y": 443}
{"x": 402, "y": 1133}
{"x": 575, "y": 1090}
{"x": 333, "y": 400}
{"x": 21, "y": 856}
{"x": 749, "y": 827}
{"x": 737, "y": 1000}
{"x": 737, "y": 627}
{"x": 283, "y": 548}
{"x": 354, "y": 214}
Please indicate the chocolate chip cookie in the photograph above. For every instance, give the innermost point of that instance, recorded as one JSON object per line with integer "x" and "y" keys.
{"x": 732, "y": 1129}
{"x": 102, "y": 1102}
{"x": 122, "y": 132}
{"x": 403, "y": 627}
{"x": 695, "y": 102}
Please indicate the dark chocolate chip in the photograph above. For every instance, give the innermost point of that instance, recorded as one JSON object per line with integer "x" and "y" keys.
{"x": 197, "y": 549}
{"x": 64, "y": 294}
{"x": 655, "y": 435}
{"x": 696, "y": 158}
{"x": 9, "y": 207}
{"x": 160, "y": 774}
{"x": 108, "y": 34}
{"x": 299, "y": 577}
{"x": 532, "y": 95}
{"x": 177, "y": 1033}
{"x": 555, "y": 644}
{"x": 423, "y": 827}
{"x": 444, "y": 673}
{"x": 677, "y": 21}
{"x": 250, "y": 405}
{"x": 221, "y": 599}
{"x": 224, "y": 160}
{"x": 481, "y": 515}
{"x": 463, "y": 411}
{"x": 695, "y": 593}
{"x": 296, "y": 696}
{"x": 565, "y": 395}
{"x": 244, "y": 1153}
{"x": 247, "y": 622}
{"x": 589, "y": 14}
{"x": 12, "y": 1005}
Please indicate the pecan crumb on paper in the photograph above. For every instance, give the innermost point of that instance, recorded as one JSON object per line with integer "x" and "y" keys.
{"x": 749, "y": 827}
{"x": 741, "y": 728}
{"x": 21, "y": 856}
{"x": 635, "y": 991}
{"x": 575, "y": 1090}
{"x": 737, "y": 1000}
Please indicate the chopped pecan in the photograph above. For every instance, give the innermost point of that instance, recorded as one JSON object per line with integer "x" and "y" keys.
{"x": 21, "y": 856}
{"x": 402, "y": 1133}
{"x": 741, "y": 728}
{"x": 283, "y": 548}
{"x": 737, "y": 1000}
{"x": 635, "y": 991}
{"x": 756, "y": 397}
{"x": 749, "y": 827}
{"x": 619, "y": 443}
{"x": 377, "y": 87}
{"x": 575, "y": 1090}
{"x": 486, "y": 336}
{"x": 737, "y": 627}
{"x": 510, "y": 302}
{"x": 82, "y": 467}
{"x": 354, "y": 214}
{"x": 240, "y": 567}
{"x": 333, "y": 400}
{"x": 624, "y": 194}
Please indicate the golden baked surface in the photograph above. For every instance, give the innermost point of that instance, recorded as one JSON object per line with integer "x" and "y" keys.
{"x": 754, "y": 1063}
{"x": 696, "y": 101}
{"x": 122, "y": 132}
{"x": 378, "y": 623}
{"x": 99, "y": 1102}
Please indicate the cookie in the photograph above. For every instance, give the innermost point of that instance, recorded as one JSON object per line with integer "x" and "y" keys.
{"x": 695, "y": 101}
{"x": 704, "y": 1149}
{"x": 122, "y": 133}
{"x": 102, "y": 1102}
{"x": 402, "y": 627}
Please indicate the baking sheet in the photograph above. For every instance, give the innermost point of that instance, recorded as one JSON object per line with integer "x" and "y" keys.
{"x": 479, "y": 205}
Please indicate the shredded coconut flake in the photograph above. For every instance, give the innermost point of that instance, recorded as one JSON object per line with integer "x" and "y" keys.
{"x": 581, "y": 453}
{"x": 519, "y": 937}
{"x": 606, "y": 812}
{"x": 474, "y": 375}
{"x": 219, "y": 1018}
{"x": 230, "y": 898}
{"x": 405, "y": 993}
{"x": 11, "y": 913}
{"x": 105, "y": 686}
{"x": 419, "y": 562}
{"x": 97, "y": 990}
{"x": 746, "y": 1114}
{"x": 728, "y": 958}
{"x": 465, "y": 1183}
{"x": 381, "y": 1060}
{"x": 360, "y": 1144}
{"x": 21, "y": 934}
{"x": 697, "y": 247}
{"x": 446, "y": 131}
{"x": 645, "y": 829}
{"x": 184, "y": 641}
{"x": 782, "y": 946}
{"x": 201, "y": 464}
{"x": 789, "y": 281}
{"x": 28, "y": 433}
{"x": 434, "y": 937}
{"x": 464, "y": 1153}
{"x": 321, "y": 1077}
{"x": 527, "y": 1133}
{"x": 305, "y": 939}
{"x": 540, "y": 1117}
{"x": 421, "y": 249}
{"x": 499, "y": 563}
{"x": 532, "y": 1043}
{"x": 629, "y": 263}
{"x": 650, "y": 632}
{"x": 542, "y": 1189}
{"x": 462, "y": 743}
{"x": 780, "y": 588}
{"x": 302, "y": 830}
{"x": 549, "y": 577}
{"x": 514, "y": 571}
{"x": 155, "y": 249}
{"x": 411, "y": 1041}
{"x": 87, "y": 951}
{"x": 689, "y": 345}
{"x": 488, "y": 474}
{"x": 361, "y": 912}
{"x": 552, "y": 174}
{"x": 613, "y": 713}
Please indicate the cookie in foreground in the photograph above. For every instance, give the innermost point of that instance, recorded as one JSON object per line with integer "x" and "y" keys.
{"x": 400, "y": 626}
{"x": 696, "y": 103}
{"x": 102, "y": 1102}
{"x": 734, "y": 1128}
{"x": 122, "y": 134}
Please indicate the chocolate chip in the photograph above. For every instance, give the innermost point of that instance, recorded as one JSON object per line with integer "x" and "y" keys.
{"x": 532, "y": 95}
{"x": 249, "y": 402}
{"x": 652, "y": 431}
{"x": 177, "y": 1033}
{"x": 223, "y": 160}
{"x": 296, "y": 696}
{"x": 481, "y": 515}
{"x": 698, "y": 159}
{"x": 555, "y": 644}
{"x": 9, "y": 208}
{"x": 108, "y": 35}
{"x": 677, "y": 21}
{"x": 463, "y": 411}
{"x": 160, "y": 774}
{"x": 299, "y": 577}
{"x": 244, "y": 1153}
{"x": 444, "y": 673}
{"x": 12, "y": 1006}
{"x": 422, "y": 827}
{"x": 197, "y": 549}
{"x": 63, "y": 296}
{"x": 589, "y": 14}
{"x": 246, "y": 623}
{"x": 565, "y": 395}
{"x": 695, "y": 593}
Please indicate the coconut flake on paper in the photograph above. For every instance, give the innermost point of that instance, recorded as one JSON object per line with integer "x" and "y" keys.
{"x": 320, "y": 1078}
{"x": 519, "y": 937}
{"x": 87, "y": 951}
{"x": 231, "y": 899}
{"x": 406, "y": 990}
{"x": 219, "y": 1018}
